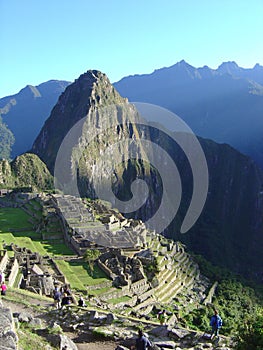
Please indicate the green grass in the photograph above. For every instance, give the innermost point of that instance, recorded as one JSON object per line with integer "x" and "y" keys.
{"x": 115, "y": 301}
{"x": 100, "y": 291}
{"x": 13, "y": 219}
{"x": 78, "y": 274}
{"x": 57, "y": 247}
{"x": 26, "y": 242}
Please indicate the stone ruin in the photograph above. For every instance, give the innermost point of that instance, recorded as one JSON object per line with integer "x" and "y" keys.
{"x": 123, "y": 270}
{"x": 83, "y": 230}
{"x": 39, "y": 273}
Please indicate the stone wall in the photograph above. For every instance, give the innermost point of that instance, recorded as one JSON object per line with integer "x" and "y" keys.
{"x": 104, "y": 268}
{"x": 13, "y": 273}
{"x": 139, "y": 287}
{"x": 99, "y": 286}
{"x": 3, "y": 259}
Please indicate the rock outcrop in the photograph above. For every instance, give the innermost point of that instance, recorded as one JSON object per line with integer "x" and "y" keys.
{"x": 8, "y": 336}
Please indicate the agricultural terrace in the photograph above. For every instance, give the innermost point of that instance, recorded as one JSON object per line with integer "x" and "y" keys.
{"x": 17, "y": 227}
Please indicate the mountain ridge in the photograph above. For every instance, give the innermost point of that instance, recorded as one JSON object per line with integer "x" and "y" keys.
{"x": 225, "y": 104}
{"x": 24, "y": 113}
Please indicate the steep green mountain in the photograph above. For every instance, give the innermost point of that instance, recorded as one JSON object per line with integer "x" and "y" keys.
{"x": 229, "y": 231}
{"x": 108, "y": 118}
{"x": 26, "y": 171}
{"x": 6, "y": 140}
{"x": 225, "y": 105}
{"x": 25, "y": 112}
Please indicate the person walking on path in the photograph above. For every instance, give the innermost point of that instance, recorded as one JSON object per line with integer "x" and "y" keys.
{"x": 142, "y": 342}
{"x": 57, "y": 298}
{"x": 161, "y": 317}
{"x": 3, "y": 288}
{"x": 216, "y": 324}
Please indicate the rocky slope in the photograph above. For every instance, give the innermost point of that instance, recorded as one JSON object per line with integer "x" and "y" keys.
{"x": 26, "y": 111}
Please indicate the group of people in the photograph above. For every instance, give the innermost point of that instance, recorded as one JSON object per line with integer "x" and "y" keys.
{"x": 62, "y": 296}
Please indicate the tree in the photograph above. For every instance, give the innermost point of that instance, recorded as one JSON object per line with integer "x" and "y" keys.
{"x": 90, "y": 256}
{"x": 250, "y": 334}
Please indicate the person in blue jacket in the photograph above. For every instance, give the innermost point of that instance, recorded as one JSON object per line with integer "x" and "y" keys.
{"x": 142, "y": 343}
{"x": 216, "y": 324}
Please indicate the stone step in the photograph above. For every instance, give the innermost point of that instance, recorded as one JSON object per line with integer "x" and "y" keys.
{"x": 164, "y": 278}
{"x": 169, "y": 283}
{"x": 172, "y": 294}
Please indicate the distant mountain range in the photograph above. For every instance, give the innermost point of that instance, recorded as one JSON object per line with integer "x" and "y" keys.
{"x": 24, "y": 113}
{"x": 223, "y": 104}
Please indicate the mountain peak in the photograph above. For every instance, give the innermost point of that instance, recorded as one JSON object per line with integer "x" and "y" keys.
{"x": 228, "y": 67}
{"x": 257, "y": 66}
{"x": 90, "y": 91}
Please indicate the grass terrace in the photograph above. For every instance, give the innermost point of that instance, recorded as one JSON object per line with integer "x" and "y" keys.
{"x": 79, "y": 275}
{"x": 16, "y": 228}
{"x": 123, "y": 299}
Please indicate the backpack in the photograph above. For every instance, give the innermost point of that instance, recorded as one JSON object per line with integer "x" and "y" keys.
{"x": 219, "y": 321}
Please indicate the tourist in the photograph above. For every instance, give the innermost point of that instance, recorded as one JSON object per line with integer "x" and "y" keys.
{"x": 81, "y": 302}
{"x": 57, "y": 297}
{"x": 3, "y": 288}
{"x": 142, "y": 342}
{"x": 65, "y": 300}
{"x": 161, "y": 317}
{"x": 216, "y": 324}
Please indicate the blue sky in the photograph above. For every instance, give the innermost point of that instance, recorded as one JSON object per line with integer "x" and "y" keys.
{"x": 61, "y": 39}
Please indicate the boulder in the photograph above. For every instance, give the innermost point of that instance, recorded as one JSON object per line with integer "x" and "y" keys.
{"x": 66, "y": 343}
{"x": 61, "y": 342}
{"x": 166, "y": 344}
{"x": 110, "y": 318}
{"x": 25, "y": 317}
{"x": 159, "y": 331}
{"x": 35, "y": 322}
{"x": 178, "y": 333}
{"x": 93, "y": 316}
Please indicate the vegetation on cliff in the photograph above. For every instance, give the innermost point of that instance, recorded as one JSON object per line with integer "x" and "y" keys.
{"x": 7, "y": 140}
{"x": 25, "y": 171}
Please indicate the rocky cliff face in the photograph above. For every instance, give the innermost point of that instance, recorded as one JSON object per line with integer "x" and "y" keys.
{"x": 89, "y": 117}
